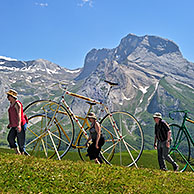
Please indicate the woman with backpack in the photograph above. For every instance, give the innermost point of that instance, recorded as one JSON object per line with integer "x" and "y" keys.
{"x": 17, "y": 123}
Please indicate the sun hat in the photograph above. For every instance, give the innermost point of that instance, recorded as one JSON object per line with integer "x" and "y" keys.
{"x": 12, "y": 93}
{"x": 157, "y": 115}
{"x": 91, "y": 115}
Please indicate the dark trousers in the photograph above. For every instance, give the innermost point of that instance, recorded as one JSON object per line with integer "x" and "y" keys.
{"x": 93, "y": 152}
{"x": 13, "y": 133}
{"x": 163, "y": 155}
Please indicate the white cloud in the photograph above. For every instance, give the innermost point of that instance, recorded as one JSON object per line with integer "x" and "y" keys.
{"x": 84, "y": 2}
{"x": 42, "y": 4}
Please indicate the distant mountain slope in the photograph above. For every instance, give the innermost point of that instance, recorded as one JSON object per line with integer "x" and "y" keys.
{"x": 151, "y": 72}
{"x": 137, "y": 64}
{"x": 30, "y": 79}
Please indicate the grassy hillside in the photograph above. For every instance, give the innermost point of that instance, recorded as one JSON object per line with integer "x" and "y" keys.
{"x": 21, "y": 174}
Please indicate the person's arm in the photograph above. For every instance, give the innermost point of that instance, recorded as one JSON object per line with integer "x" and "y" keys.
{"x": 168, "y": 131}
{"x": 98, "y": 130}
{"x": 168, "y": 139}
{"x": 18, "y": 110}
{"x": 89, "y": 138}
{"x": 155, "y": 139}
{"x": 155, "y": 144}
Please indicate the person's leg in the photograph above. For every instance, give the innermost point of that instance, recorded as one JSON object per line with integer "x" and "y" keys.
{"x": 11, "y": 139}
{"x": 21, "y": 139}
{"x": 100, "y": 144}
{"x": 91, "y": 151}
{"x": 100, "y": 159}
{"x": 163, "y": 145}
{"x": 97, "y": 161}
{"x": 160, "y": 156}
{"x": 169, "y": 159}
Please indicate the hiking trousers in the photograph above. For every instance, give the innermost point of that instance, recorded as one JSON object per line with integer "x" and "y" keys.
{"x": 13, "y": 133}
{"x": 163, "y": 155}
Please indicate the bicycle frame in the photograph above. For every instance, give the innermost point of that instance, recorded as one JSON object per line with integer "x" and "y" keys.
{"x": 76, "y": 118}
{"x": 120, "y": 128}
{"x": 187, "y": 132}
{"x": 183, "y": 125}
{"x": 184, "y": 128}
{"x": 81, "y": 126}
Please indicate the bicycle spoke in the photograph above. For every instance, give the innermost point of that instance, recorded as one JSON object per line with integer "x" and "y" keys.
{"x": 59, "y": 138}
{"x": 110, "y": 147}
{"x": 128, "y": 138}
{"x": 131, "y": 147}
{"x": 130, "y": 153}
{"x": 54, "y": 146}
{"x": 44, "y": 148}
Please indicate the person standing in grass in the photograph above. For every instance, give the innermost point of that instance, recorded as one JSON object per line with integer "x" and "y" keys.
{"x": 96, "y": 137}
{"x": 162, "y": 142}
{"x": 17, "y": 123}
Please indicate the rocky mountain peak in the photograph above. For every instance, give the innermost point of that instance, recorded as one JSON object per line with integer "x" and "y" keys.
{"x": 92, "y": 60}
{"x": 132, "y": 47}
{"x": 149, "y": 44}
{"x": 159, "y": 46}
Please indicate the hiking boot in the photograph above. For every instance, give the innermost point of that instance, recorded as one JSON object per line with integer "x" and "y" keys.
{"x": 164, "y": 169}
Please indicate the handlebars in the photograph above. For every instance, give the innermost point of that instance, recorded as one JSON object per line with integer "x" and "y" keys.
{"x": 185, "y": 116}
{"x": 111, "y": 83}
{"x": 183, "y": 111}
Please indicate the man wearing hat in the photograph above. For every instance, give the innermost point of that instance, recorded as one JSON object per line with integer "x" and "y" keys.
{"x": 17, "y": 122}
{"x": 162, "y": 142}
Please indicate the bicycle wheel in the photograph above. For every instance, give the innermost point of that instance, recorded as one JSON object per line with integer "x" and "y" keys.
{"x": 38, "y": 141}
{"x": 128, "y": 142}
{"x": 180, "y": 147}
{"x": 40, "y": 107}
{"x": 82, "y": 149}
{"x": 61, "y": 117}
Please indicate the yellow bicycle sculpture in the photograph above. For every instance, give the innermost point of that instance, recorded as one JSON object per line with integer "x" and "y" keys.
{"x": 51, "y": 130}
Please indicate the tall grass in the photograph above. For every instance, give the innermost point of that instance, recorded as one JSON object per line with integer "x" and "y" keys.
{"x": 23, "y": 174}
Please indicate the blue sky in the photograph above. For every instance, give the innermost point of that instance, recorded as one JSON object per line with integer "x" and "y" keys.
{"x": 64, "y": 31}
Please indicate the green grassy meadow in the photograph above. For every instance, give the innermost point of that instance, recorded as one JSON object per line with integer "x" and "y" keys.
{"x": 24, "y": 174}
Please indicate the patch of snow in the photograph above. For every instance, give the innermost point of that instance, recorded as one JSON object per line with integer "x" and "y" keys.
{"x": 29, "y": 69}
{"x": 121, "y": 103}
{"x": 143, "y": 89}
{"x": 9, "y": 68}
{"x": 52, "y": 71}
{"x": 157, "y": 83}
{"x": 28, "y": 80}
{"x": 1, "y": 63}
{"x": 72, "y": 71}
{"x": 124, "y": 98}
{"x": 8, "y": 58}
{"x": 135, "y": 86}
